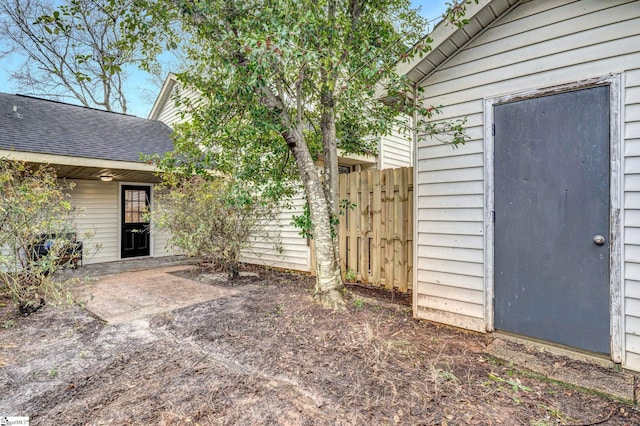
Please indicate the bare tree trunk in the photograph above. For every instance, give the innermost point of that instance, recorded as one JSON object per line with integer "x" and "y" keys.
{"x": 330, "y": 157}
{"x": 329, "y": 285}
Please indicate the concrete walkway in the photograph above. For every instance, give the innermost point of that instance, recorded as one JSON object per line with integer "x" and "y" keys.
{"x": 137, "y": 294}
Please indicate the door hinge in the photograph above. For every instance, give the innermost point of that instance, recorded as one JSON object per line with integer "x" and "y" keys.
{"x": 493, "y": 129}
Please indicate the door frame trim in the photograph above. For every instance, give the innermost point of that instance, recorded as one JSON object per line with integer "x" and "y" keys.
{"x": 616, "y": 306}
{"x": 120, "y": 219}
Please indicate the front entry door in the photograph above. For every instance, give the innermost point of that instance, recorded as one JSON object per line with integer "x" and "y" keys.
{"x": 135, "y": 225}
{"x": 551, "y": 246}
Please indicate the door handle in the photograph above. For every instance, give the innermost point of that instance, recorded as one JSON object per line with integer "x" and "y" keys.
{"x": 598, "y": 239}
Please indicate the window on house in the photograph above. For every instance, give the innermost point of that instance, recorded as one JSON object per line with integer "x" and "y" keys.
{"x": 344, "y": 169}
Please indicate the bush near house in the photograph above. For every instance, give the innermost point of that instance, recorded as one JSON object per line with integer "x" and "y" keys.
{"x": 36, "y": 233}
{"x": 211, "y": 217}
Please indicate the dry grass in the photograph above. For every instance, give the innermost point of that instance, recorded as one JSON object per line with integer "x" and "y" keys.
{"x": 268, "y": 356}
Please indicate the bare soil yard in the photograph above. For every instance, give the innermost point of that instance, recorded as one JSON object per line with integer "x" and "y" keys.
{"x": 266, "y": 355}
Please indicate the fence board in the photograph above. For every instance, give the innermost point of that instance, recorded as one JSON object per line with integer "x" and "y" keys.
{"x": 376, "y": 228}
{"x": 389, "y": 221}
{"x": 376, "y": 235}
{"x": 352, "y": 222}
{"x": 363, "y": 253}
{"x": 342, "y": 227}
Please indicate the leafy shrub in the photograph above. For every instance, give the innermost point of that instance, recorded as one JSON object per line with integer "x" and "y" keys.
{"x": 34, "y": 206}
{"x": 211, "y": 217}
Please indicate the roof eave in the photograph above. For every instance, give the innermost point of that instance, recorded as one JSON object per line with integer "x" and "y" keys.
{"x": 64, "y": 160}
{"x": 79, "y": 168}
{"x": 165, "y": 92}
{"x": 449, "y": 39}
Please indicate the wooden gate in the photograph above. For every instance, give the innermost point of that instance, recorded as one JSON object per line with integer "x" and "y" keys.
{"x": 376, "y": 228}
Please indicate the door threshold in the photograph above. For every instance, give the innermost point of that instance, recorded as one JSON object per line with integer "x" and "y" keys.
{"x": 574, "y": 367}
{"x": 124, "y": 259}
{"x": 576, "y": 354}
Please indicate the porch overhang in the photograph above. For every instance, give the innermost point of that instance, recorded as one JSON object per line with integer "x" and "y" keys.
{"x": 88, "y": 168}
{"x": 356, "y": 159}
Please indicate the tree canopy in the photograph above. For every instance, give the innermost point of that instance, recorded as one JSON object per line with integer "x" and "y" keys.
{"x": 285, "y": 85}
{"x": 69, "y": 52}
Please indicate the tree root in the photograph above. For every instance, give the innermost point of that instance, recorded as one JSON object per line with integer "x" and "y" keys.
{"x": 330, "y": 299}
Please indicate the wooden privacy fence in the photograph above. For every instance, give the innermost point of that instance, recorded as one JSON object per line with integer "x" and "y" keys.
{"x": 376, "y": 229}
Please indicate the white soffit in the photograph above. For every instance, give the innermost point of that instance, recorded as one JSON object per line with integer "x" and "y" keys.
{"x": 448, "y": 39}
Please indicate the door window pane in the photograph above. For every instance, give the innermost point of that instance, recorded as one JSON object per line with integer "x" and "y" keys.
{"x": 135, "y": 205}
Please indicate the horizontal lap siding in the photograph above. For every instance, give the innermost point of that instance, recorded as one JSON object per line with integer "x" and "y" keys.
{"x": 631, "y": 135}
{"x": 161, "y": 241}
{"x": 170, "y": 114}
{"x": 280, "y": 244}
{"x": 449, "y": 232}
{"x": 97, "y": 206}
{"x": 538, "y": 44}
{"x": 161, "y": 245}
{"x": 395, "y": 149}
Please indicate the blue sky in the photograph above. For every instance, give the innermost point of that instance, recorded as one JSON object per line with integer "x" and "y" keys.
{"x": 430, "y": 9}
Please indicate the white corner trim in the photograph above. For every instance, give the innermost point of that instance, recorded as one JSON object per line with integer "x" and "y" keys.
{"x": 488, "y": 214}
{"x": 616, "y": 220}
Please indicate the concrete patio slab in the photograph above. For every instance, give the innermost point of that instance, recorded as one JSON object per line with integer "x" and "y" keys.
{"x": 137, "y": 294}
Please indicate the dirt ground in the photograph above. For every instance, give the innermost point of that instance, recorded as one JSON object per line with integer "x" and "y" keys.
{"x": 266, "y": 355}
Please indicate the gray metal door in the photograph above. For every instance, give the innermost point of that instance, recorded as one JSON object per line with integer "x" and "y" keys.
{"x": 551, "y": 247}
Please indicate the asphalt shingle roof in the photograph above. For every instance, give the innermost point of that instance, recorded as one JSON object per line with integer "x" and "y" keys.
{"x": 51, "y": 127}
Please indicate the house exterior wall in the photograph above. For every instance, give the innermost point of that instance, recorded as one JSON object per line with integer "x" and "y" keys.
{"x": 98, "y": 207}
{"x": 396, "y": 149}
{"x": 536, "y": 45}
{"x": 281, "y": 245}
{"x": 631, "y": 233}
{"x": 169, "y": 113}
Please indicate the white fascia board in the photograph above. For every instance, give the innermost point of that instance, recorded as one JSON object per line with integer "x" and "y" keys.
{"x": 163, "y": 96}
{"x": 439, "y": 35}
{"x": 64, "y": 160}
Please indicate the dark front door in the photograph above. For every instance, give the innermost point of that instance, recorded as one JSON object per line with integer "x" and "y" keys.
{"x": 135, "y": 225}
{"x": 551, "y": 247}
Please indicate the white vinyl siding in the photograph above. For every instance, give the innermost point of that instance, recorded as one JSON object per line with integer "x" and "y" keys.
{"x": 395, "y": 149}
{"x": 538, "y": 44}
{"x": 161, "y": 245}
{"x": 280, "y": 245}
{"x": 97, "y": 203}
{"x": 98, "y": 207}
{"x": 170, "y": 113}
{"x": 631, "y": 134}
